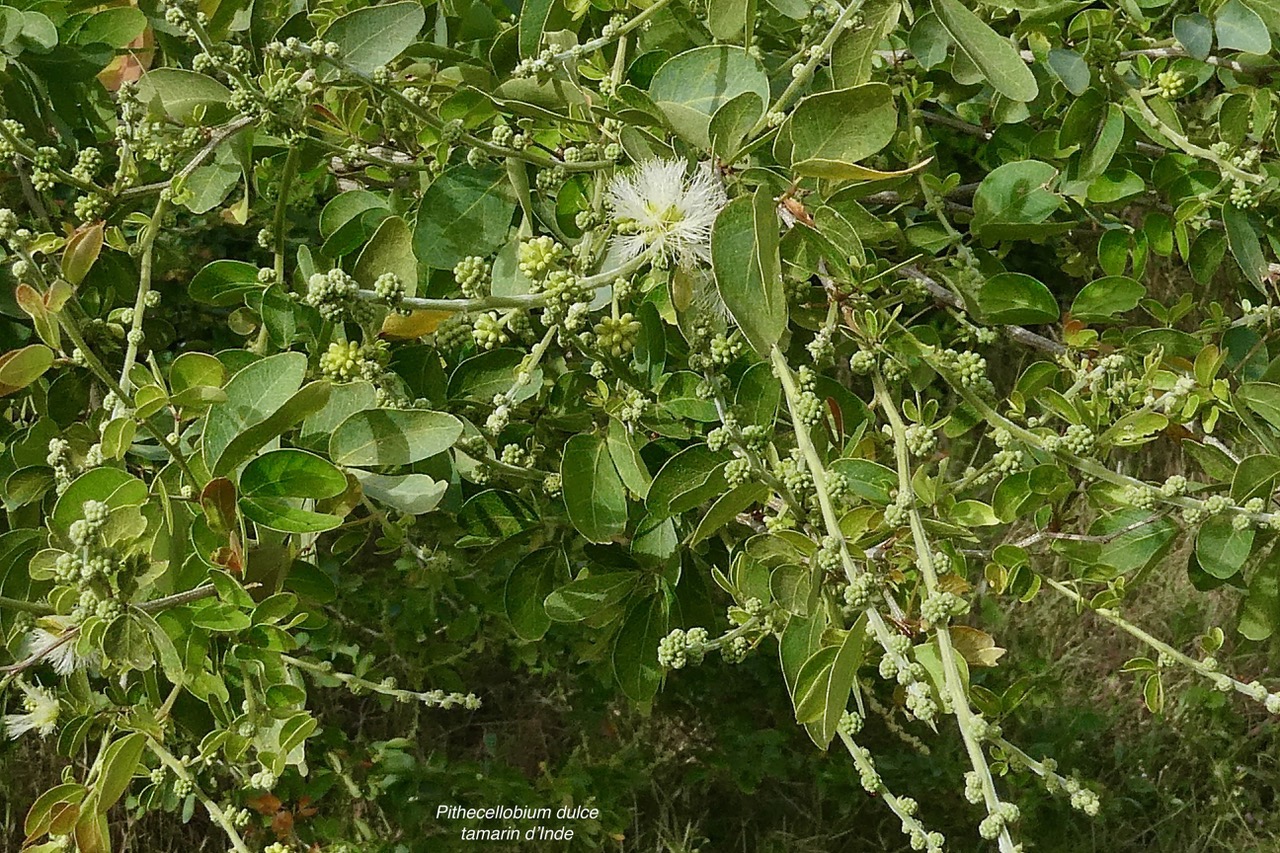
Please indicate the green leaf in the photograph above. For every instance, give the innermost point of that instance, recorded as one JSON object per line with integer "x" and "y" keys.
{"x": 626, "y": 459}
{"x": 531, "y": 580}
{"x": 1221, "y": 549}
{"x": 1255, "y": 476}
{"x": 113, "y": 486}
{"x": 464, "y": 212}
{"x": 492, "y": 516}
{"x": 733, "y": 121}
{"x": 281, "y": 514}
{"x": 831, "y": 131}
{"x": 1260, "y": 609}
{"x": 854, "y": 51}
{"x": 748, "y": 273}
{"x": 252, "y": 436}
{"x": 682, "y": 474}
{"x": 291, "y": 473}
{"x": 533, "y": 20}
{"x": 1071, "y": 68}
{"x": 179, "y": 93}
{"x": 594, "y": 494}
{"x": 1106, "y": 298}
{"x": 390, "y": 437}
{"x": 414, "y": 494}
{"x": 1195, "y": 34}
{"x": 689, "y": 88}
{"x": 127, "y": 642}
{"x": 81, "y": 253}
{"x": 635, "y": 649}
{"x": 1240, "y": 28}
{"x": 1244, "y": 243}
{"x": 224, "y": 284}
{"x": 1014, "y": 297}
{"x": 390, "y": 250}
{"x": 373, "y": 36}
{"x": 1014, "y": 202}
{"x": 114, "y": 27}
{"x": 1264, "y": 399}
{"x": 119, "y": 762}
{"x": 585, "y": 597}
{"x": 991, "y": 53}
{"x": 19, "y": 368}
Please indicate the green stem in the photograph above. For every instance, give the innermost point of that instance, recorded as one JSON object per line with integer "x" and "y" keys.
{"x": 68, "y": 325}
{"x": 954, "y": 686}
{"x": 830, "y": 520}
{"x": 282, "y": 208}
{"x": 1180, "y": 140}
{"x": 620, "y": 32}
{"x": 146, "y": 243}
{"x": 36, "y": 607}
{"x": 1150, "y": 641}
{"x": 805, "y": 75}
{"x": 215, "y": 811}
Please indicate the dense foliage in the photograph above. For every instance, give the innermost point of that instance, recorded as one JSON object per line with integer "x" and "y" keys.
{"x": 348, "y": 342}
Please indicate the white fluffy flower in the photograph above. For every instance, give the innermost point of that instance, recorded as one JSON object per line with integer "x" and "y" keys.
{"x": 64, "y": 659}
{"x": 42, "y": 713}
{"x": 663, "y": 207}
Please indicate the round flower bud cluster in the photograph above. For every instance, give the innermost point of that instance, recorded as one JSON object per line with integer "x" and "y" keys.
{"x": 724, "y": 350}
{"x": 553, "y": 485}
{"x": 391, "y": 290}
{"x": 996, "y": 822}
{"x": 565, "y": 300}
{"x": 514, "y": 454}
{"x": 634, "y": 405}
{"x": 941, "y": 606}
{"x": 810, "y": 410}
{"x": 1078, "y": 440}
{"x": 850, "y": 723}
{"x": 972, "y": 369}
{"x": 795, "y": 476}
{"x": 822, "y": 348}
{"x": 263, "y": 780}
{"x": 1174, "y": 486}
{"x": 862, "y": 362}
{"x": 1216, "y": 504}
{"x": 737, "y": 471}
{"x": 921, "y": 440}
{"x": 488, "y": 331}
{"x": 857, "y": 595}
{"x": 617, "y": 335}
{"x": 538, "y": 255}
{"x": 1082, "y": 799}
{"x": 829, "y": 555}
{"x": 331, "y": 293}
{"x": 973, "y": 787}
{"x": 735, "y": 651}
{"x": 1172, "y": 84}
{"x": 454, "y": 332}
{"x": 919, "y": 701}
{"x": 680, "y": 648}
{"x": 897, "y": 513}
{"x": 1140, "y": 497}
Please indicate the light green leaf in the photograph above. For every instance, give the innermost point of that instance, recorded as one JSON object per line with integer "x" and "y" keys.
{"x": 593, "y": 492}
{"x": 1240, "y": 28}
{"x": 179, "y": 93}
{"x": 291, "y": 473}
{"x": 375, "y": 35}
{"x": 744, "y": 257}
{"x": 1013, "y": 297}
{"x": 1106, "y": 298}
{"x": 281, "y": 514}
{"x": 832, "y": 131}
{"x": 690, "y": 87}
{"x": 414, "y": 494}
{"x": 390, "y": 250}
{"x": 465, "y": 211}
{"x": 585, "y": 597}
{"x": 387, "y": 437}
{"x": 991, "y": 53}
{"x": 635, "y": 649}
